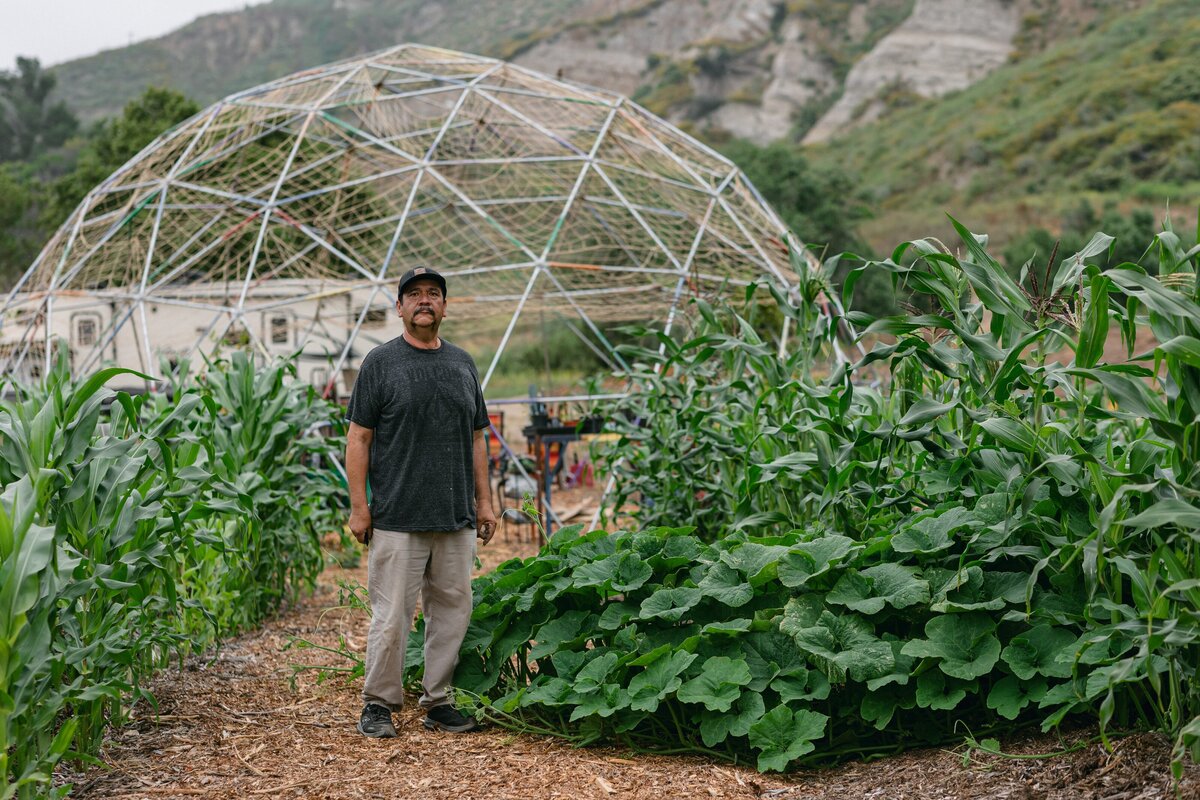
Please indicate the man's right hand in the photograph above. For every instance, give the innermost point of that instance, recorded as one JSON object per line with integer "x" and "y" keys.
{"x": 360, "y": 525}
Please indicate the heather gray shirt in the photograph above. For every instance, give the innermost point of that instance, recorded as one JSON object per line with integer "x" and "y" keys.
{"x": 424, "y": 406}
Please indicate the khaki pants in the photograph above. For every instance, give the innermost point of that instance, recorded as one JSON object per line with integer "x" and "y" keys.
{"x": 399, "y": 564}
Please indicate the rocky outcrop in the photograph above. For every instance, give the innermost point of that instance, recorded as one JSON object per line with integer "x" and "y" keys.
{"x": 615, "y": 53}
{"x": 749, "y": 68}
{"x": 944, "y": 46}
{"x": 797, "y": 77}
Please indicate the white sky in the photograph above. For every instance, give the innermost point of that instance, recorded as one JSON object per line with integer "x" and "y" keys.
{"x": 60, "y": 30}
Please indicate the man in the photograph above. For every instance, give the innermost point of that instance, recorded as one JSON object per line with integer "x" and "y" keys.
{"x": 416, "y": 431}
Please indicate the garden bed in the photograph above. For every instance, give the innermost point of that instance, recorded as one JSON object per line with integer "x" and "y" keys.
{"x": 233, "y": 726}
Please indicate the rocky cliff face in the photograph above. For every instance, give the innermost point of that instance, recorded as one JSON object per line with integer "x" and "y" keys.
{"x": 945, "y": 45}
{"x": 617, "y": 52}
{"x": 746, "y": 68}
{"x": 766, "y": 69}
{"x": 796, "y": 77}
{"x": 739, "y": 65}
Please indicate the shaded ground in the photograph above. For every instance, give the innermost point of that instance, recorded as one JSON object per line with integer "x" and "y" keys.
{"x": 235, "y": 726}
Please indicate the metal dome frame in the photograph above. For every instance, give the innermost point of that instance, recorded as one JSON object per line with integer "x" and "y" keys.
{"x": 303, "y": 200}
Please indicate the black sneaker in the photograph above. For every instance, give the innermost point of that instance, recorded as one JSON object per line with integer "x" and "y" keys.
{"x": 447, "y": 718}
{"x": 376, "y": 722}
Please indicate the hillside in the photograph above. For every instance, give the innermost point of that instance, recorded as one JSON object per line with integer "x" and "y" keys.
{"x": 757, "y": 69}
{"x": 221, "y": 53}
{"x": 1093, "y": 110}
{"x": 1111, "y": 117}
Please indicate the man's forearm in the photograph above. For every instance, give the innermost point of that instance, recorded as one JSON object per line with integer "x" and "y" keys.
{"x": 483, "y": 494}
{"x": 358, "y": 457}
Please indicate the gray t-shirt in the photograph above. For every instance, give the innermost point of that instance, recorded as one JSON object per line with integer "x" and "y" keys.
{"x": 424, "y": 406}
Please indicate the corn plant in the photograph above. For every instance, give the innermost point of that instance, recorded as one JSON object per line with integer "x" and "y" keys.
{"x": 982, "y": 520}
{"x": 123, "y": 528}
{"x": 260, "y": 437}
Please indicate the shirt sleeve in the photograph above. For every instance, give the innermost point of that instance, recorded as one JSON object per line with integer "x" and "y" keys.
{"x": 363, "y": 408}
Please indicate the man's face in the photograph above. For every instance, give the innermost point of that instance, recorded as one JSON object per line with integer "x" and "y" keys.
{"x": 422, "y": 305}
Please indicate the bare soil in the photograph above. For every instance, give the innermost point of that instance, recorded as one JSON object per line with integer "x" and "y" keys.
{"x": 242, "y": 723}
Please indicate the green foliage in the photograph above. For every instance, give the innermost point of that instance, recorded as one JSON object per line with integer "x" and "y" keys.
{"x": 963, "y": 526}
{"x": 39, "y": 192}
{"x": 17, "y": 247}
{"x": 114, "y": 142}
{"x": 670, "y": 86}
{"x": 558, "y": 346}
{"x": 819, "y": 201}
{"x": 32, "y": 132}
{"x": 1103, "y": 110}
{"x": 29, "y": 123}
{"x": 213, "y": 57}
{"x": 134, "y": 529}
{"x": 1130, "y": 232}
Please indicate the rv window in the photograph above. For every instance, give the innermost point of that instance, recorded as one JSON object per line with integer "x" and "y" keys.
{"x": 85, "y": 331}
{"x": 279, "y": 330}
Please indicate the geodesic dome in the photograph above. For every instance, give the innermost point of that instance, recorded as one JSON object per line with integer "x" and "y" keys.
{"x": 280, "y": 217}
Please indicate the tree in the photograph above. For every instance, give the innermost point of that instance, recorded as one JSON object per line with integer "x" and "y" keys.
{"x": 1131, "y": 232}
{"x": 114, "y": 142}
{"x": 18, "y": 244}
{"x": 822, "y": 204}
{"x": 29, "y": 124}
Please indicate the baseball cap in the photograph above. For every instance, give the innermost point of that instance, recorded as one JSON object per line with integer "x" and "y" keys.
{"x": 421, "y": 272}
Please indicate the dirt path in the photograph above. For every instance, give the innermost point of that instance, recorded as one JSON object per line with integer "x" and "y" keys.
{"x": 235, "y": 726}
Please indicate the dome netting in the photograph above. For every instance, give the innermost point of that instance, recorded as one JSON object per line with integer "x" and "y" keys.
{"x": 281, "y": 216}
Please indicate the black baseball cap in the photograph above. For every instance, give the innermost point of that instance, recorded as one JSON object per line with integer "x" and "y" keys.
{"x": 421, "y": 272}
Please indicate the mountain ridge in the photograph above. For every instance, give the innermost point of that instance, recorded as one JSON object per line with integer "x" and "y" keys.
{"x": 756, "y": 69}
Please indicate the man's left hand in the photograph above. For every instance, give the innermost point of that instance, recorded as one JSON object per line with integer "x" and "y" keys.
{"x": 485, "y": 524}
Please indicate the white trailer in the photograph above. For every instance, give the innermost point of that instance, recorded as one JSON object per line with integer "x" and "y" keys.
{"x": 280, "y": 318}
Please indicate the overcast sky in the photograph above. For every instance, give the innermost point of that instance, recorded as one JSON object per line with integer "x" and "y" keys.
{"x": 60, "y": 30}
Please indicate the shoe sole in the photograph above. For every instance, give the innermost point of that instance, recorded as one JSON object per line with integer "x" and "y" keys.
{"x": 382, "y": 735}
{"x": 433, "y": 725}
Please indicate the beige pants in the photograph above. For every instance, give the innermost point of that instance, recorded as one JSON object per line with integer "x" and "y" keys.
{"x": 438, "y": 565}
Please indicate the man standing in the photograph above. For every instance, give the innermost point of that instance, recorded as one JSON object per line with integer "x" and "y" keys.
{"x": 416, "y": 431}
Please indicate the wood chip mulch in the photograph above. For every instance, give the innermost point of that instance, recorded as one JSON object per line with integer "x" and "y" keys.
{"x": 232, "y": 725}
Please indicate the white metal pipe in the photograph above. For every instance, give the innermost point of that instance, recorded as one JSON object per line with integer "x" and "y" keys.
{"x": 704, "y": 189}
{"x": 412, "y": 195}
{"x": 537, "y": 126}
{"x": 462, "y": 98}
{"x": 341, "y": 362}
{"x": 162, "y": 200}
{"x": 512, "y": 323}
{"x": 636, "y": 215}
{"x": 283, "y": 175}
{"x": 586, "y": 319}
{"x": 348, "y": 184}
{"x": 97, "y": 352}
{"x": 767, "y": 262}
{"x": 249, "y": 200}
